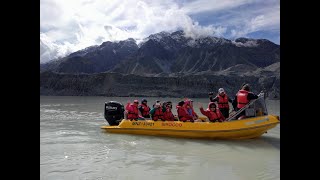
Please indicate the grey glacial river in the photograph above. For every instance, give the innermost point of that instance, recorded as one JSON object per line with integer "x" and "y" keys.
{"x": 72, "y": 146}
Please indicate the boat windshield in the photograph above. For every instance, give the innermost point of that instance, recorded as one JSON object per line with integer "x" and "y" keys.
{"x": 257, "y": 108}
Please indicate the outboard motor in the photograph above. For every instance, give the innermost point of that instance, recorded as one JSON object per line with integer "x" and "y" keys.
{"x": 113, "y": 112}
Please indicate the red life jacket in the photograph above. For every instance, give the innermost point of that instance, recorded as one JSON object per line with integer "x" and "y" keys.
{"x": 214, "y": 116}
{"x": 223, "y": 102}
{"x": 168, "y": 116}
{"x": 242, "y": 98}
{"x": 132, "y": 112}
{"x": 183, "y": 114}
{"x": 158, "y": 114}
{"x": 145, "y": 110}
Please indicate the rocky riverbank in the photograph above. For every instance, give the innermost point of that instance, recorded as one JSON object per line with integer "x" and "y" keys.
{"x": 115, "y": 84}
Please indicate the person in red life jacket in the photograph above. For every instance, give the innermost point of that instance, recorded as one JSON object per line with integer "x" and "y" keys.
{"x": 132, "y": 110}
{"x": 223, "y": 102}
{"x": 164, "y": 109}
{"x": 191, "y": 110}
{"x": 213, "y": 113}
{"x": 242, "y": 98}
{"x": 183, "y": 113}
{"x": 156, "y": 112}
{"x": 144, "y": 109}
{"x": 167, "y": 114}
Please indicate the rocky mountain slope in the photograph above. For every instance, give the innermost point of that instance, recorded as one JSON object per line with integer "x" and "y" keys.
{"x": 165, "y": 64}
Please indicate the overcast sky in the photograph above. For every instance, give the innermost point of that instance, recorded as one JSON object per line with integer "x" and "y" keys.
{"x": 70, "y": 25}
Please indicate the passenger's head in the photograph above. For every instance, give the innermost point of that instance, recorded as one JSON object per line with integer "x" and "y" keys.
{"x": 221, "y": 91}
{"x": 144, "y": 101}
{"x": 164, "y": 104}
{"x": 157, "y": 104}
{"x": 136, "y": 102}
{"x": 168, "y": 106}
{"x": 246, "y": 87}
{"x": 169, "y": 103}
{"x": 181, "y": 103}
{"x": 212, "y": 106}
{"x": 187, "y": 103}
{"x": 191, "y": 102}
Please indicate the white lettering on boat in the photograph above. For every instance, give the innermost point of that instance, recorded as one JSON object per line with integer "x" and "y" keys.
{"x": 110, "y": 107}
{"x": 261, "y": 120}
{"x": 171, "y": 124}
{"x": 249, "y": 123}
{"x": 257, "y": 121}
{"x": 142, "y": 123}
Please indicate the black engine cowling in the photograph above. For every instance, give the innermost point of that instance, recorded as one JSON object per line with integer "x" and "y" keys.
{"x": 113, "y": 112}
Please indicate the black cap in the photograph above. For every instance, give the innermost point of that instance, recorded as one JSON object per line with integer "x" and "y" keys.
{"x": 181, "y": 103}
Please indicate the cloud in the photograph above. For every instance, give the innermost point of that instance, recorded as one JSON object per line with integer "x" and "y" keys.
{"x": 240, "y": 17}
{"x": 254, "y": 18}
{"x": 269, "y": 21}
{"x": 50, "y": 50}
{"x": 73, "y": 25}
{"x": 201, "y": 6}
{"x": 68, "y": 26}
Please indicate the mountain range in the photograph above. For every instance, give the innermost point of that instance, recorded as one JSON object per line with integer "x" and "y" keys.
{"x": 170, "y": 55}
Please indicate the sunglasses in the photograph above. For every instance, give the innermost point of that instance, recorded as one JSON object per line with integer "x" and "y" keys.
{"x": 136, "y": 102}
{"x": 212, "y": 107}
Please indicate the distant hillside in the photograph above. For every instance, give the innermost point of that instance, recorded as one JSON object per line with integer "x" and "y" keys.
{"x": 165, "y": 64}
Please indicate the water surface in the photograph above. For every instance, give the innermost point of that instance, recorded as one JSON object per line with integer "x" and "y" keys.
{"x": 72, "y": 146}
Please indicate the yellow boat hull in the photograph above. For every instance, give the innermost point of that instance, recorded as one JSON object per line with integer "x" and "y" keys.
{"x": 238, "y": 129}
